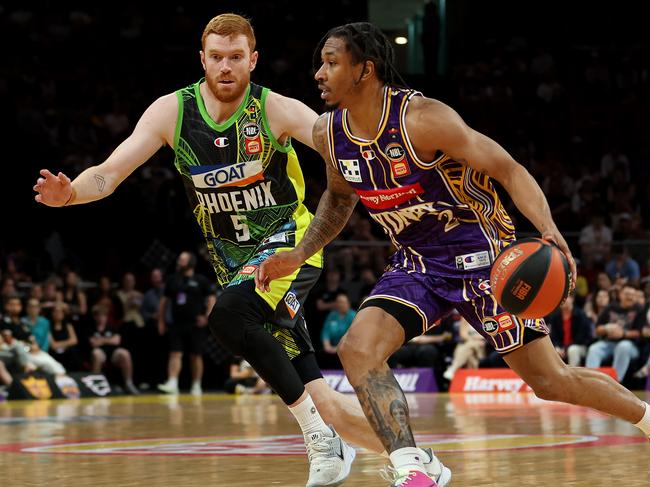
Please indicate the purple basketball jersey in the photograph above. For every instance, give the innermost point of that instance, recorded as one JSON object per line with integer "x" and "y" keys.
{"x": 443, "y": 217}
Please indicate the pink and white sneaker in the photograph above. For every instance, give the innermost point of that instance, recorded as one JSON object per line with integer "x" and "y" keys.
{"x": 407, "y": 478}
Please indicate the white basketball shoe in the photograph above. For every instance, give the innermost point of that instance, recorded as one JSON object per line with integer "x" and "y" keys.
{"x": 330, "y": 458}
{"x": 435, "y": 468}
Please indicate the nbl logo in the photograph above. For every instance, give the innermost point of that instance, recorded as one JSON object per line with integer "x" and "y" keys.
{"x": 251, "y": 130}
{"x": 490, "y": 326}
{"x": 395, "y": 152}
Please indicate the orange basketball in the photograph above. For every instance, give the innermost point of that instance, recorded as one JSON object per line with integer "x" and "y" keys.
{"x": 530, "y": 278}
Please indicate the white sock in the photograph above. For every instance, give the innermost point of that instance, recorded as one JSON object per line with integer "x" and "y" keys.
{"x": 644, "y": 424}
{"x": 196, "y": 383}
{"x": 409, "y": 458}
{"x": 308, "y": 417}
{"x": 172, "y": 382}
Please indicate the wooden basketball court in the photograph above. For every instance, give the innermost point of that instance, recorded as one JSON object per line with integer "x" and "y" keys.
{"x": 487, "y": 440}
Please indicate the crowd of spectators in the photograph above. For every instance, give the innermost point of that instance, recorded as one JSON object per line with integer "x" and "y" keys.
{"x": 572, "y": 112}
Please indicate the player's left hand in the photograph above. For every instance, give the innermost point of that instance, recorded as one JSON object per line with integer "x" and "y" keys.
{"x": 278, "y": 265}
{"x": 556, "y": 237}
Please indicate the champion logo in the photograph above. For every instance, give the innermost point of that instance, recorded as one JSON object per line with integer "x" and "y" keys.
{"x": 221, "y": 142}
{"x": 368, "y": 154}
{"x": 484, "y": 285}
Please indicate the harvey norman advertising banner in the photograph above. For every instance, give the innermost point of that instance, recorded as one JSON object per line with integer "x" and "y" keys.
{"x": 496, "y": 380}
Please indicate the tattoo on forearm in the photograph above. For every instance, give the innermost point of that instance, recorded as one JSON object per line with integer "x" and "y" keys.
{"x": 336, "y": 204}
{"x": 331, "y": 215}
{"x": 101, "y": 182}
{"x": 386, "y": 408}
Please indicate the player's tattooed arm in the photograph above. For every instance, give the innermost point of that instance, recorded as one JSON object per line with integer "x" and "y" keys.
{"x": 386, "y": 409}
{"x": 101, "y": 182}
{"x": 336, "y": 203}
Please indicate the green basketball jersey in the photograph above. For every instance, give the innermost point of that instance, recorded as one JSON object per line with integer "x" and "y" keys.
{"x": 244, "y": 187}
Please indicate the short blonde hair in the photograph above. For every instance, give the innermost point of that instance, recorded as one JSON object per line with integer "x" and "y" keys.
{"x": 230, "y": 25}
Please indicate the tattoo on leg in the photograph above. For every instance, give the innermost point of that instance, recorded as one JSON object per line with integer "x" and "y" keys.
{"x": 386, "y": 408}
{"x": 101, "y": 182}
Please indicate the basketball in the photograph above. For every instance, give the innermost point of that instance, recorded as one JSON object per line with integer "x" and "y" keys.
{"x": 530, "y": 278}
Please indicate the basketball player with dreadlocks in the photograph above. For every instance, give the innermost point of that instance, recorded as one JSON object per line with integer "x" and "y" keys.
{"x": 424, "y": 176}
{"x": 232, "y": 141}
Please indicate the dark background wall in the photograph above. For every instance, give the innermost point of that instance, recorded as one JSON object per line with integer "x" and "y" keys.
{"x": 71, "y": 69}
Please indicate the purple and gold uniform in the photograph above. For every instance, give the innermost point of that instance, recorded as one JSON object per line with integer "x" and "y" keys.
{"x": 444, "y": 218}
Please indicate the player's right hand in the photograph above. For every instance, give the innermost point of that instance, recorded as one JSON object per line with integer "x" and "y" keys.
{"x": 276, "y": 266}
{"x": 53, "y": 190}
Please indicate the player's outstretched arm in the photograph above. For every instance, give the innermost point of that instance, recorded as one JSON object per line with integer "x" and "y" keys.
{"x": 334, "y": 210}
{"x": 290, "y": 117}
{"x": 439, "y": 126}
{"x": 153, "y": 130}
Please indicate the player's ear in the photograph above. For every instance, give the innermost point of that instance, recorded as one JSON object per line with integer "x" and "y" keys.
{"x": 202, "y": 59}
{"x": 253, "y": 62}
{"x": 368, "y": 70}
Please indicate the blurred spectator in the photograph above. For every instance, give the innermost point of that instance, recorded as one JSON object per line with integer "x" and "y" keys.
{"x": 151, "y": 299}
{"x": 368, "y": 281}
{"x": 571, "y": 332}
{"x": 13, "y": 359}
{"x": 12, "y": 325}
{"x": 244, "y": 380}
{"x": 52, "y": 296}
{"x": 38, "y": 325}
{"x": 612, "y": 159}
{"x": 105, "y": 345}
{"x": 428, "y": 350}
{"x": 325, "y": 294}
{"x": 469, "y": 351}
{"x": 5, "y": 376}
{"x": 622, "y": 266}
{"x": 191, "y": 297}
{"x": 596, "y": 304}
{"x": 17, "y": 335}
{"x": 106, "y": 297}
{"x": 74, "y": 297}
{"x": 619, "y": 331}
{"x": 336, "y": 324}
{"x": 131, "y": 300}
{"x": 595, "y": 242}
{"x": 63, "y": 340}
{"x": 36, "y": 292}
{"x": 8, "y": 288}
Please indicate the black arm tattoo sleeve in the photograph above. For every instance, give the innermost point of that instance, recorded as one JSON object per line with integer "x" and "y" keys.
{"x": 336, "y": 203}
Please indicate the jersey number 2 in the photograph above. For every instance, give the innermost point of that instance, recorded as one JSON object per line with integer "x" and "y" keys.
{"x": 241, "y": 229}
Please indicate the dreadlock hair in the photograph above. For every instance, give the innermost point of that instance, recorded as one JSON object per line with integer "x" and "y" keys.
{"x": 365, "y": 42}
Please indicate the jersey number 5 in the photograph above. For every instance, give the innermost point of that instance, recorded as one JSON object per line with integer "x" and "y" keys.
{"x": 241, "y": 229}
